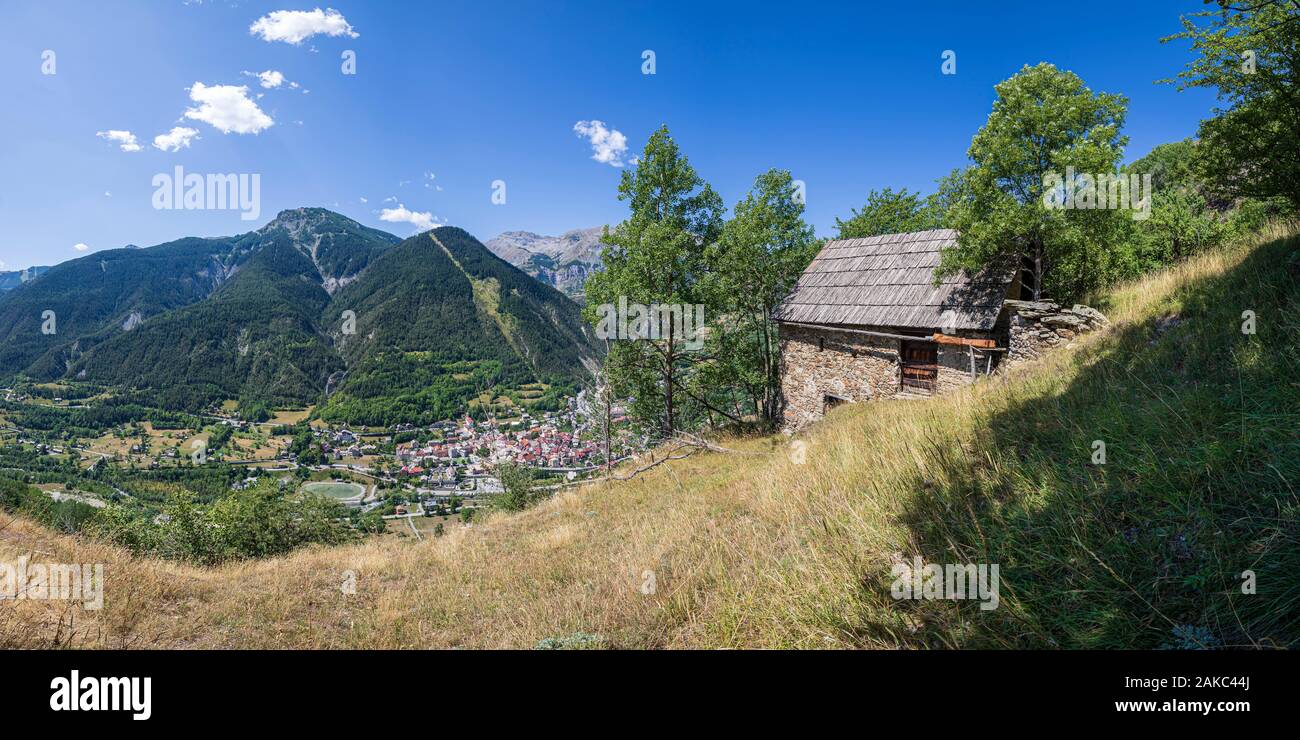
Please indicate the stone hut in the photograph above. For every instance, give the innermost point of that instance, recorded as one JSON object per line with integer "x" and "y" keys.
{"x": 867, "y": 320}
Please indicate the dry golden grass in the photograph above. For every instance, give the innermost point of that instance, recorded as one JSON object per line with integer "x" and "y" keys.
{"x": 751, "y": 549}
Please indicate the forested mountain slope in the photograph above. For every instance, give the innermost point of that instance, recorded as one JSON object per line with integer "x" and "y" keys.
{"x": 94, "y": 296}
{"x": 438, "y": 319}
{"x": 261, "y": 317}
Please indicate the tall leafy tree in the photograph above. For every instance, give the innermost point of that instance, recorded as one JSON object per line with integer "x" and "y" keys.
{"x": 754, "y": 265}
{"x": 1249, "y": 53}
{"x": 656, "y": 256}
{"x": 890, "y": 212}
{"x": 1044, "y": 121}
{"x": 1182, "y": 220}
{"x": 1171, "y": 166}
{"x": 1181, "y": 224}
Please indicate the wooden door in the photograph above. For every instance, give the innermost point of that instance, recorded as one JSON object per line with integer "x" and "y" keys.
{"x": 920, "y": 366}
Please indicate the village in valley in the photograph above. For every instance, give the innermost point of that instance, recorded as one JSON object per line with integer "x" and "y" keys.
{"x": 417, "y": 479}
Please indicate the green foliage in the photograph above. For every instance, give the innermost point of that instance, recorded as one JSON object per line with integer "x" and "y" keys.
{"x": 90, "y": 296}
{"x": 370, "y": 522}
{"x": 575, "y": 641}
{"x": 252, "y": 338}
{"x": 16, "y": 497}
{"x": 889, "y": 212}
{"x": 255, "y": 411}
{"x": 1183, "y": 220}
{"x": 254, "y": 522}
{"x": 1172, "y": 166}
{"x": 520, "y": 488}
{"x": 1249, "y": 53}
{"x": 203, "y": 483}
{"x": 305, "y": 448}
{"x": 1044, "y": 120}
{"x": 92, "y": 420}
{"x": 219, "y": 436}
{"x": 752, "y": 267}
{"x": 657, "y": 255}
{"x": 1181, "y": 224}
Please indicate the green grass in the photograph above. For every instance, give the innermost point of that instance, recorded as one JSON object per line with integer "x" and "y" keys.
{"x": 334, "y": 489}
{"x": 1202, "y": 431}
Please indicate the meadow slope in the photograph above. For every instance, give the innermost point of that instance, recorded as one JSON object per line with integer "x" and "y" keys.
{"x": 764, "y": 548}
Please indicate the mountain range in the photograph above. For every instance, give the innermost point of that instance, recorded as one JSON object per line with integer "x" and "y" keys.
{"x": 311, "y": 308}
{"x": 13, "y": 278}
{"x": 563, "y": 261}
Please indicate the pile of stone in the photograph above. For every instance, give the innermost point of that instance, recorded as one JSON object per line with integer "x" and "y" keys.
{"x": 1037, "y": 326}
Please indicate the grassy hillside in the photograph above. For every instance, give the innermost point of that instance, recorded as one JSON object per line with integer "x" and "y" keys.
{"x": 755, "y": 549}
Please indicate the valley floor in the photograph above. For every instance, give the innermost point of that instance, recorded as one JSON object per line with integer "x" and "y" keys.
{"x": 783, "y": 544}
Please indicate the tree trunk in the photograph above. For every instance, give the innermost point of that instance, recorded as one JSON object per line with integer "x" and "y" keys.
{"x": 605, "y": 403}
{"x": 766, "y": 412}
{"x": 1038, "y": 269}
{"x": 669, "y": 378}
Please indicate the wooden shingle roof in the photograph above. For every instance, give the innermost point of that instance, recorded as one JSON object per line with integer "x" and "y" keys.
{"x": 888, "y": 281}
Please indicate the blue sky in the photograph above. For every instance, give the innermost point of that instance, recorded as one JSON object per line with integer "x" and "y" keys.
{"x": 848, "y": 96}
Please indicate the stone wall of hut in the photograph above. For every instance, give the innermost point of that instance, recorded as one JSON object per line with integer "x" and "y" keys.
{"x": 1036, "y": 327}
{"x": 825, "y": 365}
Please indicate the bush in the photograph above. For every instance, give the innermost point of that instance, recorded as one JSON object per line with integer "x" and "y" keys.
{"x": 520, "y": 484}
{"x": 251, "y": 523}
{"x": 575, "y": 641}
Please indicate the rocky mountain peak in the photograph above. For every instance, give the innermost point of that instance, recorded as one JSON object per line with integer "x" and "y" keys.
{"x": 562, "y": 261}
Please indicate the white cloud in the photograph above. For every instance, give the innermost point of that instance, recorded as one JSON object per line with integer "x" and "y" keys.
{"x": 295, "y": 26}
{"x": 423, "y": 220}
{"x": 124, "y": 139}
{"x": 80, "y": 247}
{"x": 607, "y": 145}
{"x": 270, "y": 78}
{"x": 175, "y": 140}
{"x": 364, "y": 200}
{"x": 227, "y": 108}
